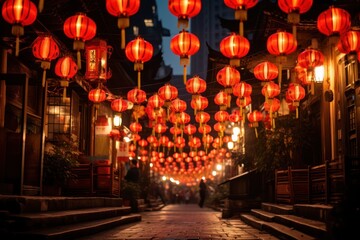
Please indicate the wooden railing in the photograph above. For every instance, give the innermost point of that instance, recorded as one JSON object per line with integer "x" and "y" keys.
{"x": 319, "y": 184}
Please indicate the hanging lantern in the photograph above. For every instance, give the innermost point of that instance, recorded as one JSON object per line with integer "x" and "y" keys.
{"x": 270, "y": 90}
{"x": 272, "y": 108}
{"x": 65, "y": 68}
{"x": 228, "y": 77}
{"x": 266, "y": 71}
{"x": 119, "y": 105}
{"x": 97, "y": 53}
{"x": 189, "y": 130}
{"x": 195, "y": 86}
{"x": 294, "y": 8}
{"x": 199, "y": 104}
{"x": 281, "y": 44}
{"x": 178, "y": 105}
{"x": 234, "y": 47}
{"x": 122, "y": 10}
{"x": 242, "y": 89}
{"x": 202, "y": 117}
{"x": 221, "y": 116}
{"x": 136, "y": 96}
{"x": 135, "y": 127}
{"x": 139, "y": 51}
{"x": 45, "y": 49}
{"x": 241, "y": 8}
{"x": 184, "y": 45}
{"x": 97, "y": 95}
{"x": 333, "y": 21}
{"x": 19, "y": 14}
{"x": 183, "y": 10}
{"x": 80, "y": 28}
{"x": 168, "y": 93}
{"x": 222, "y": 99}
{"x": 254, "y": 118}
{"x": 295, "y": 93}
{"x": 235, "y": 116}
{"x": 349, "y": 42}
{"x": 309, "y": 59}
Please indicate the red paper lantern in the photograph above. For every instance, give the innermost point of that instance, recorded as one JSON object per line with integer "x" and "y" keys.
{"x": 123, "y": 10}
{"x": 97, "y": 53}
{"x": 160, "y": 128}
{"x": 97, "y": 95}
{"x": 183, "y": 10}
{"x": 80, "y": 28}
{"x": 189, "y": 129}
{"x": 295, "y": 93}
{"x": 168, "y": 92}
{"x": 199, "y": 103}
{"x": 234, "y": 47}
{"x": 270, "y": 90}
{"x": 228, "y": 76}
{"x": 202, "y": 117}
{"x": 266, "y": 71}
{"x": 143, "y": 143}
{"x": 184, "y": 45}
{"x": 139, "y": 51}
{"x": 334, "y": 21}
{"x": 274, "y": 106}
{"x": 135, "y": 127}
{"x": 242, "y": 89}
{"x": 235, "y": 116}
{"x": 136, "y": 96}
{"x": 241, "y": 10}
{"x": 221, "y": 116}
{"x": 155, "y": 101}
{"x": 294, "y": 8}
{"x": 65, "y": 68}
{"x": 178, "y": 105}
{"x": 45, "y": 49}
{"x": 349, "y": 42}
{"x": 204, "y": 129}
{"x": 254, "y": 118}
{"x": 175, "y": 131}
{"x": 195, "y": 85}
{"x": 281, "y": 44}
{"x": 222, "y": 99}
{"x": 119, "y": 105}
{"x": 19, "y": 14}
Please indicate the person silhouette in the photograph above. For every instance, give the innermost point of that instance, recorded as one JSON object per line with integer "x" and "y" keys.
{"x": 202, "y": 192}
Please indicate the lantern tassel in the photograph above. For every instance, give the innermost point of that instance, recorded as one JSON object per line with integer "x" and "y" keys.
{"x": 256, "y": 133}
{"x": 122, "y": 38}
{"x": 184, "y": 74}
{"x": 241, "y": 28}
{"x": 297, "y": 112}
{"x": 139, "y": 79}
{"x": 17, "y": 43}
{"x": 312, "y": 89}
{"x": 280, "y": 75}
{"x": 64, "y": 94}
{"x": 78, "y": 58}
{"x": 44, "y": 78}
{"x": 41, "y": 5}
{"x": 294, "y": 31}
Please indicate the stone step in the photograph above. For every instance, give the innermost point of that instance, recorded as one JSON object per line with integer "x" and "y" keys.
{"x": 28, "y": 204}
{"x": 277, "y": 208}
{"x": 319, "y": 212}
{"x": 276, "y": 229}
{"x": 28, "y": 221}
{"x": 75, "y": 230}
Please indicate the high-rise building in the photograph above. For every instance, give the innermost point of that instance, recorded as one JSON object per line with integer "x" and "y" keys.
{"x": 207, "y": 27}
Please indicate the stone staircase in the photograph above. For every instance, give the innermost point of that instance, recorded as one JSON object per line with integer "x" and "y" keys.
{"x": 299, "y": 221}
{"x": 26, "y": 217}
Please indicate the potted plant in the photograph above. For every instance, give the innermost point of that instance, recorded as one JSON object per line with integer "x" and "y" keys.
{"x": 60, "y": 156}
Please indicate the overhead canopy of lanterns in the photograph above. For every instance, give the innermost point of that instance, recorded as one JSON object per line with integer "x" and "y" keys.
{"x": 165, "y": 108}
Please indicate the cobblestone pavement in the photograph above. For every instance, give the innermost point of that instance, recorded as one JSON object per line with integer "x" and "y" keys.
{"x": 180, "y": 222}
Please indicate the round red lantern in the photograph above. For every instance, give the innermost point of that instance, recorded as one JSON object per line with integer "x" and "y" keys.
{"x": 349, "y": 42}
{"x": 254, "y": 117}
{"x": 80, "y": 28}
{"x": 222, "y": 99}
{"x": 199, "y": 103}
{"x": 189, "y": 129}
{"x": 242, "y": 89}
{"x": 184, "y": 45}
{"x": 135, "y": 127}
{"x": 19, "y": 14}
{"x": 195, "y": 85}
{"x": 168, "y": 92}
{"x": 160, "y": 128}
{"x": 123, "y": 10}
{"x": 136, "y": 96}
{"x": 241, "y": 10}
{"x": 142, "y": 143}
{"x": 183, "y": 10}
{"x": 280, "y": 44}
{"x": 234, "y": 47}
{"x": 178, "y": 105}
{"x": 202, "y": 117}
{"x": 272, "y": 107}
{"x": 266, "y": 71}
{"x": 295, "y": 93}
{"x": 294, "y": 8}
{"x": 65, "y": 68}
{"x": 228, "y": 76}
{"x": 235, "y": 116}
{"x": 204, "y": 129}
{"x": 119, "y": 105}
{"x": 333, "y": 21}
{"x": 139, "y": 51}
{"x": 45, "y": 49}
{"x": 221, "y": 116}
{"x": 270, "y": 90}
{"x": 97, "y": 95}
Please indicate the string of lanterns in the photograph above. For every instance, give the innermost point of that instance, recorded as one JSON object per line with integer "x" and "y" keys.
{"x": 334, "y": 23}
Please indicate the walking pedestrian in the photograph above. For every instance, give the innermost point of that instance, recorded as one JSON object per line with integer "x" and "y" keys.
{"x": 132, "y": 178}
{"x": 202, "y": 192}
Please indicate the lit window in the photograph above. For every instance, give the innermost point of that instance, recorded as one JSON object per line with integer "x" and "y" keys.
{"x": 148, "y": 22}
